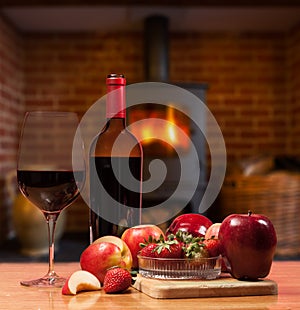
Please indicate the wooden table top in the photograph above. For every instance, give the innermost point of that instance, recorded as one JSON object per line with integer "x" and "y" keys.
{"x": 15, "y": 296}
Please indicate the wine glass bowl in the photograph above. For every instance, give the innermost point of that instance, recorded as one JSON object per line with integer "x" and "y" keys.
{"x": 46, "y": 174}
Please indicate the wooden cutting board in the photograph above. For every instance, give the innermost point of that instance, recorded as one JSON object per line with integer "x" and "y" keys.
{"x": 222, "y": 287}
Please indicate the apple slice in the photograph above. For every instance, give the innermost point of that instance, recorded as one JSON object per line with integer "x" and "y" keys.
{"x": 80, "y": 280}
{"x": 125, "y": 251}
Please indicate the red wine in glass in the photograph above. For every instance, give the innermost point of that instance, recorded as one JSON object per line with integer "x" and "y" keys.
{"x": 51, "y": 191}
{"x": 47, "y": 174}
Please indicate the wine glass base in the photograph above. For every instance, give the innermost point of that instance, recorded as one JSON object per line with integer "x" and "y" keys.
{"x": 45, "y": 282}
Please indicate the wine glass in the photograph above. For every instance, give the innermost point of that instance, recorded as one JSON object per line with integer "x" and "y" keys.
{"x": 47, "y": 174}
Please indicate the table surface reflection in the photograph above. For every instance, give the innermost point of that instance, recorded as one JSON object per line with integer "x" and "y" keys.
{"x": 15, "y": 296}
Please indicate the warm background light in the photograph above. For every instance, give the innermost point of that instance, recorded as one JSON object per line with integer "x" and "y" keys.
{"x": 170, "y": 134}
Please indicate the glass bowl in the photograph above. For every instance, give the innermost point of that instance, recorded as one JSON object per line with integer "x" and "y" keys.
{"x": 180, "y": 268}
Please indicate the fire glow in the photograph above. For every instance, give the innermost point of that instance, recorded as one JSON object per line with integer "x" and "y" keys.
{"x": 173, "y": 131}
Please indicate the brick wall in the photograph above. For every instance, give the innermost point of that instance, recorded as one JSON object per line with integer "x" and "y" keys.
{"x": 11, "y": 94}
{"x": 246, "y": 73}
{"x": 293, "y": 78}
{"x": 253, "y": 80}
{"x": 67, "y": 72}
{"x": 11, "y": 107}
{"x": 247, "y": 86}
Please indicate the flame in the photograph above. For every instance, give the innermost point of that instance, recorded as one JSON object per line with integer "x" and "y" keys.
{"x": 174, "y": 132}
{"x": 146, "y": 134}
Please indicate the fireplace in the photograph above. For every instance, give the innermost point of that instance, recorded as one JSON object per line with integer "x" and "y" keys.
{"x": 165, "y": 148}
{"x": 156, "y": 65}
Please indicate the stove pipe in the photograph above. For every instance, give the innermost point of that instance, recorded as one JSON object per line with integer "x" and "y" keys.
{"x": 156, "y": 48}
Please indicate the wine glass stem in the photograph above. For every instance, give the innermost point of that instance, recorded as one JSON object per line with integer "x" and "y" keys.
{"x": 51, "y": 222}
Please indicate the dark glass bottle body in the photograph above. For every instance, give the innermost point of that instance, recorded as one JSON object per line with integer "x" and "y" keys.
{"x": 115, "y": 196}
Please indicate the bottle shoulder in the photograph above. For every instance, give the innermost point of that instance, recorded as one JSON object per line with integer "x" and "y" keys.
{"x": 112, "y": 142}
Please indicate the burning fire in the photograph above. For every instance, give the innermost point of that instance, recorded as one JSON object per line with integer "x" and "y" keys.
{"x": 169, "y": 125}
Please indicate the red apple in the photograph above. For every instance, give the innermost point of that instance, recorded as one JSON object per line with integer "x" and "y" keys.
{"x": 249, "y": 243}
{"x": 194, "y": 223}
{"x": 97, "y": 258}
{"x": 213, "y": 231}
{"x": 80, "y": 280}
{"x": 135, "y": 235}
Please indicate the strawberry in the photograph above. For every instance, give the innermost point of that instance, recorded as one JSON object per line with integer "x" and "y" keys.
{"x": 162, "y": 248}
{"x": 195, "y": 249}
{"x": 213, "y": 247}
{"x": 149, "y": 250}
{"x": 169, "y": 249}
{"x": 116, "y": 280}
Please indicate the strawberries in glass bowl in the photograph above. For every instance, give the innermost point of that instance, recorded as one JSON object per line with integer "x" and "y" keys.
{"x": 179, "y": 256}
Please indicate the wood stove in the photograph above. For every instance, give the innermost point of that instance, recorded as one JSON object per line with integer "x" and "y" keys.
{"x": 162, "y": 142}
{"x": 156, "y": 65}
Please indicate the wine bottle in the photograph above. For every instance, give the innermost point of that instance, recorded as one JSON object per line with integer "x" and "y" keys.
{"x": 116, "y": 160}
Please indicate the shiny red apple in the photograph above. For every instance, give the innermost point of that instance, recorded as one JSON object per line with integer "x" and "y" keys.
{"x": 135, "y": 235}
{"x": 193, "y": 223}
{"x": 249, "y": 243}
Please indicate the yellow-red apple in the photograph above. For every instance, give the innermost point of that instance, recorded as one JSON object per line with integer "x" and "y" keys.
{"x": 97, "y": 258}
{"x": 213, "y": 231}
{"x": 80, "y": 280}
{"x": 135, "y": 235}
{"x": 125, "y": 251}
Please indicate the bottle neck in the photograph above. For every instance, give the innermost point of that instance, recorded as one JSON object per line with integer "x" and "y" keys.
{"x": 115, "y": 102}
{"x": 116, "y": 123}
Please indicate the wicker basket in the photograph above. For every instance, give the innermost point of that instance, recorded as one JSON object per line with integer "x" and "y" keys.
{"x": 276, "y": 195}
